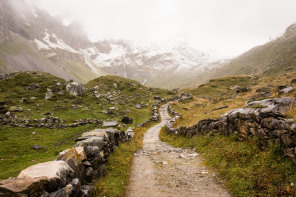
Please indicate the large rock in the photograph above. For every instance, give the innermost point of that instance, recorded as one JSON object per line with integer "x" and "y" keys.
{"x": 23, "y": 186}
{"x": 34, "y": 180}
{"x": 87, "y": 191}
{"x": 127, "y": 120}
{"x": 110, "y": 124}
{"x": 75, "y": 89}
{"x": 58, "y": 173}
{"x": 15, "y": 109}
{"x": 48, "y": 94}
{"x": 91, "y": 141}
{"x": 72, "y": 158}
{"x": 96, "y": 132}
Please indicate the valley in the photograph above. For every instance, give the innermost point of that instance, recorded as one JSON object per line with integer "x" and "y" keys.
{"x": 82, "y": 117}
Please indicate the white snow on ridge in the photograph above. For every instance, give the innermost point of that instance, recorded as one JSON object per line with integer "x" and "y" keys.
{"x": 40, "y": 45}
{"x": 103, "y": 59}
{"x": 60, "y": 43}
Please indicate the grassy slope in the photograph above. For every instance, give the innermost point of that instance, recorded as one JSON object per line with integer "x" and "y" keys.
{"x": 248, "y": 169}
{"x": 275, "y": 57}
{"x": 15, "y": 143}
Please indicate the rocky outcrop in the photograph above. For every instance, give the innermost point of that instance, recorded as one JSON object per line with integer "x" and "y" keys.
{"x": 73, "y": 172}
{"x": 261, "y": 119}
{"x": 75, "y": 88}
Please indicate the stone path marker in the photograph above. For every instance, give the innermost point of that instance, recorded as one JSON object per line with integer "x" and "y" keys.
{"x": 160, "y": 170}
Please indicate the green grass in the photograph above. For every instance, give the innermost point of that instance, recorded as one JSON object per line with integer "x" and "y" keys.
{"x": 248, "y": 169}
{"x": 16, "y": 153}
{"x": 118, "y": 166}
{"x": 15, "y": 142}
{"x": 221, "y": 87}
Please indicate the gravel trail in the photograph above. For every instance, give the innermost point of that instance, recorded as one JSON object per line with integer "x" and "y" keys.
{"x": 159, "y": 170}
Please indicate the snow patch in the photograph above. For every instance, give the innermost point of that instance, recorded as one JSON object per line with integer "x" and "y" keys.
{"x": 40, "y": 45}
{"x": 60, "y": 43}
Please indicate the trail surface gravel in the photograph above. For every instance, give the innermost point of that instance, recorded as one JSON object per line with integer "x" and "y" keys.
{"x": 159, "y": 170}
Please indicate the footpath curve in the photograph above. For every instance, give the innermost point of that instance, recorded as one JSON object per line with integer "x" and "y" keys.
{"x": 159, "y": 170}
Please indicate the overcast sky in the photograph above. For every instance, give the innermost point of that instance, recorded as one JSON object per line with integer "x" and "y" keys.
{"x": 219, "y": 27}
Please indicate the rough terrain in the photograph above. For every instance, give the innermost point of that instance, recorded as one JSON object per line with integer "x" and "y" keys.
{"x": 161, "y": 170}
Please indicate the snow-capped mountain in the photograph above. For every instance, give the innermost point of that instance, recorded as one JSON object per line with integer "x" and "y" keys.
{"x": 32, "y": 39}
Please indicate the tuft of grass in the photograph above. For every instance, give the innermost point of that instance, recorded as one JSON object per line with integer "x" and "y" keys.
{"x": 118, "y": 166}
{"x": 247, "y": 168}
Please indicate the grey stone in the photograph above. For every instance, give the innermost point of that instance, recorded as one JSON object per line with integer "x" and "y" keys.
{"x": 110, "y": 123}
{"x": 36, "y": 147}
{"x": 75, "y": 88}
{"x": 15, "y": 109}
{"x": 87, "y": 191}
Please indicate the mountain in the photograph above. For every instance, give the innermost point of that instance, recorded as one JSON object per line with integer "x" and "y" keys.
{"x": 275, "y": 57}
{"x": 171, "y": 66}
{"x": 32, "y": 39}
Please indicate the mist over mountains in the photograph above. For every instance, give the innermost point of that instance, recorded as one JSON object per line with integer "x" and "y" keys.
{"x": 33, "y": 39}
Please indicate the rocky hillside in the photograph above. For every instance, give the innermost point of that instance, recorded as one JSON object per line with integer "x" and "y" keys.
{"x": 41, "y": 114}
{"x": 32, "y": 39}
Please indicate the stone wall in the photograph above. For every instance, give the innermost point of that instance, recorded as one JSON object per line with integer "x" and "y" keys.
{"x": 261, "y": 119}
{"x": 155, "y": 114}
{"x": 74, "y": 170}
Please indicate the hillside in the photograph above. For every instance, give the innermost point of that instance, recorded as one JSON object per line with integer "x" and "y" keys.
{"x": 275, "y": 57}
{"x": 31, "y": 39}
{"x": 36, "y": 108}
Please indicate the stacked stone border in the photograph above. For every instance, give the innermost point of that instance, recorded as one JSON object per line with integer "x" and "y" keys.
{"x": 263, "y": 119}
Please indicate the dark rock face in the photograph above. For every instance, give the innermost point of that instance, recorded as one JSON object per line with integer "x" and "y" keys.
{"x": 267, "y": 123}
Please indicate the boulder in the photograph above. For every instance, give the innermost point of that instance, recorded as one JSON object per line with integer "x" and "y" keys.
{"x": 32, "y": 86}
{"x": 48, "y": 94}
{"x": 92, "y": 141}
{"x": 110, "y": 123}
{"x": 64, "y": 192}
{"x": 287, "y": 89}
{"x": 75, "y": 88}
{"x": 76, "y": 184}
{"x": 72, "y": 158}
{"x": 138, "y": 106}
{"x": 15, "y": 109}
{"x": 96, "y": 132}
{"x": 275, "y": 104}
{"x": 36, "y": 147}
{"x": 23, "y": 186}
{"x": 127, "y": 120}
{"x": 56, "y": 173}
{"x": 87, "y": 191}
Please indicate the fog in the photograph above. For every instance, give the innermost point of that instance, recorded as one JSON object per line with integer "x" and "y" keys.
{"x": 221, "y": 28}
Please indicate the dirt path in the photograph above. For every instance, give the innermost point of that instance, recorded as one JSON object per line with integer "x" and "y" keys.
{"x": 160, "y": 170}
